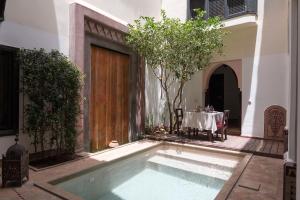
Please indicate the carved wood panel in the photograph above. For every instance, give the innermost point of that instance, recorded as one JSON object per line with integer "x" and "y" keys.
{"x": 275, "y": 122}
{"x": 103, "y": 31}
{"x": 109, "y": 112}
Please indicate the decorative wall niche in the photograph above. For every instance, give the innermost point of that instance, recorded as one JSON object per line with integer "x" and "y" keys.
{"x": 275, "y": 122}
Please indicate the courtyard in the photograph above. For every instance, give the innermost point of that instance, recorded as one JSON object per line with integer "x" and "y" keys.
{"x": 150, "y": 100}
{"x": 257, "y": 180}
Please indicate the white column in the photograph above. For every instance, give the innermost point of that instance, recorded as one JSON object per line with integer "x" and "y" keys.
{"x": 292, "y": 151}
{"x": 295, "y": 92}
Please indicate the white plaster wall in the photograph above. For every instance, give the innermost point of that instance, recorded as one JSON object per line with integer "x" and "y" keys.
{"x": 45, "y": 24}
{"x": 191, "y": 94}
{"x": 155, "y": 108}
{"x": 154, "y": 99}
{"x": 176, "y": 8}
{"x": 36, "y": 24}
{"x": 294, "y": 33}
{"x": 263, "y": 49}
{"x": 128, "y": 10}
{"x": 271, "y": 88}
{"x": 266, "y": 70}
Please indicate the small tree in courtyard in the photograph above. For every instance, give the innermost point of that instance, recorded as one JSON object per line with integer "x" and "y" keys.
{"x": 175, "y": 50}
{"x": 51, "y": 84}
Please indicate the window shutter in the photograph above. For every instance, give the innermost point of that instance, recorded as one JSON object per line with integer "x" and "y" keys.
{"x": 216, "y": 8}
{"x": 236, "y": 6}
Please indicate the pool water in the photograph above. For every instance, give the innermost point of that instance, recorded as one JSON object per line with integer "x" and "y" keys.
{"x": 167, "y": 173}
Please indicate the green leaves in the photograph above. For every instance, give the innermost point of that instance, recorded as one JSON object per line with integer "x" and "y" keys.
{"x": 181, "y": 47}
{"x": 52, "y": 85}
{"x": 175, "y": 50}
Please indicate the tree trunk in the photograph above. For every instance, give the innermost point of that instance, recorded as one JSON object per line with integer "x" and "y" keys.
{"x": 178, "y": 95}
{"x": 170, "y": 112}
{"x": 163, "y": 79}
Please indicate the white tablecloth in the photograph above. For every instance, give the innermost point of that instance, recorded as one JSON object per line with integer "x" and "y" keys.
{"x": 202, "y": 120}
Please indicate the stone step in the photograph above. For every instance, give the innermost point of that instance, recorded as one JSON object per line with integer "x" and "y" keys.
{"x": 161, "y": 163}
{"x": 193, "y": 160}
{"x": 219, "y": 159}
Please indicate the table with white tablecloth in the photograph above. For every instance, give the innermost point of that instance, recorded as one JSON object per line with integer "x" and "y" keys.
{"x": 202, "y": 120}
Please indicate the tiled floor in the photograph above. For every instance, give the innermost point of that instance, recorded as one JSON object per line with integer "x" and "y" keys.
{"x": 266, "y": 172}
{"x": 269, "y": 148}
{"x": 263, "y": 171}
{"x": 26, "y": 192}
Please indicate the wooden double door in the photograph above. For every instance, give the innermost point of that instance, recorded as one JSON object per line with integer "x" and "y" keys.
{"x": 109, "y": 100}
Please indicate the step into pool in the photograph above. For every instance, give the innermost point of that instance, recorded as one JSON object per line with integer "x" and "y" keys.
{"x": 166, "y": 172}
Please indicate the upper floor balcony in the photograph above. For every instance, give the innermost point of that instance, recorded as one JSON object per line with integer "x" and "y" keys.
{"x": 232, "y": 12}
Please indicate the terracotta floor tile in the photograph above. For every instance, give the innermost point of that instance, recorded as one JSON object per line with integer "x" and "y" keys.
{"x": 260, "y": 170}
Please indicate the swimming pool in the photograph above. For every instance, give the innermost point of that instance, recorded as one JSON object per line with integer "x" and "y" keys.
{"x": 167, "y": 172}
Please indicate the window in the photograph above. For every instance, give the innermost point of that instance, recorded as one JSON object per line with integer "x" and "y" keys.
{"x": 225, "y": 9}
{"x": 216, "y": 8}
{"x": 236, "y": 6}
{"x": 2, "y": 8}
{"x": 195, "y": 4}
{"x": 9, "y": 91}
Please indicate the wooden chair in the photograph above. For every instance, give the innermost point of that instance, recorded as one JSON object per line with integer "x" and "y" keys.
{"x": 179, "y": 119}
{"x": 223, "y": 125}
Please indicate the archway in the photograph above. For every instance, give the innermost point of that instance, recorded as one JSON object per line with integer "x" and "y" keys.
{"x": 223, "y": 93}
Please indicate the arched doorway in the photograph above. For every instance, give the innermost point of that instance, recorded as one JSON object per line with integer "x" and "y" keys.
{"x": 223, "y": 93}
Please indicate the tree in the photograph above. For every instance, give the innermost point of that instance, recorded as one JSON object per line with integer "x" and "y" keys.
{"x": 51, "y": 84}
{"x": 175, "y": 50}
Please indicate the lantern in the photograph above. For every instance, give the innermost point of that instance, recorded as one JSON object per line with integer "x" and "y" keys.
{"x": 15, "y": 164}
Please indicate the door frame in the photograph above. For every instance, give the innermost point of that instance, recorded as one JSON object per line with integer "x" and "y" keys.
{"x": 92, "y": 40}
{"x": 209, "y": 99}
{"x": 207, "y": 90}
{"x": 95, "y": 27}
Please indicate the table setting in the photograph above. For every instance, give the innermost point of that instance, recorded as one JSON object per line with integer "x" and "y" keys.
{"x": 202, "y": 119}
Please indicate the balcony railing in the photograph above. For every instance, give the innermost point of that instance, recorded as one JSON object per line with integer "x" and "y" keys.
{"x": 225, "y": 9}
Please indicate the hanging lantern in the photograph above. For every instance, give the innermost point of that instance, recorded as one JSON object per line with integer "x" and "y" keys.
{"x": 15, "y": 164}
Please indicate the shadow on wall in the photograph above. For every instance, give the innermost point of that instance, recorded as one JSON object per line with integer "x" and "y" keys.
{"x": 192, "y": 93}
{"x": 249, "y": 101}
{"x": 270, "y": 70}
{"x": 32, "y": 24}
{"x": 128, "y": 10}
{"x": 36, "y": 24}
{"x": 156, "y": 104}
{"x": 139, "y": 99}
{"x": 154, "y": 99}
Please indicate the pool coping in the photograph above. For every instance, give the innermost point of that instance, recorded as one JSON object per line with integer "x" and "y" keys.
{"x": 232, "y": 181}
{"x": 238, "y": 171}
{"x": 223, "y": 193}
{"x": 88, "y": 155}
